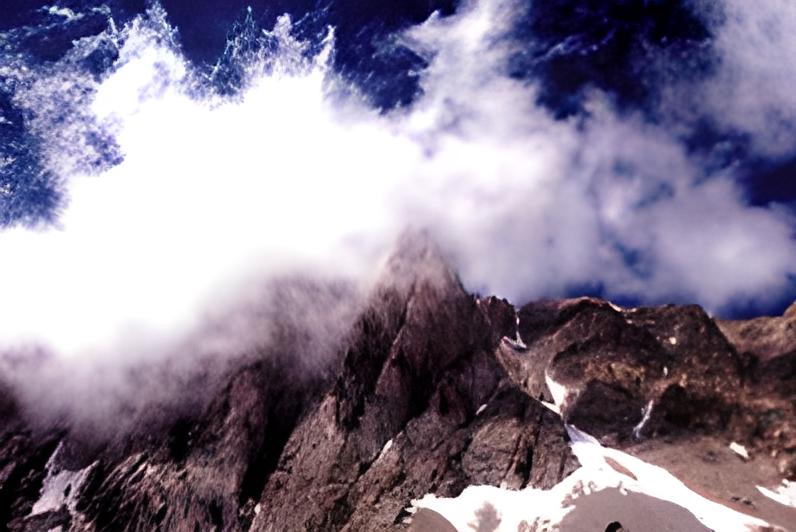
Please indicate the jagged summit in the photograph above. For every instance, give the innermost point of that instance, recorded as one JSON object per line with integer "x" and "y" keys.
{"x": 426, "y": 397}
{"x": 417, "y": 258}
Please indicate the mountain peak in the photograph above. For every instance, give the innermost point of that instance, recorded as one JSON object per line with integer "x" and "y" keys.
{"x": 425, "y": 399}
{"x": 416, "y": 257}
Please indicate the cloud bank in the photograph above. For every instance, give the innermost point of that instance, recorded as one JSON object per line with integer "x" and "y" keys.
{"x": 211, "y": 196}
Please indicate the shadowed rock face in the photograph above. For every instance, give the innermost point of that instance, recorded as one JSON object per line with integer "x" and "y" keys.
{"x": 405, "y": 416}
{"x": 23, "y": 457}
{"x": 432, "y": 392}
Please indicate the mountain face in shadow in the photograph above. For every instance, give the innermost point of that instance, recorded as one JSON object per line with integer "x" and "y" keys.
{"x": 435, "y": 390}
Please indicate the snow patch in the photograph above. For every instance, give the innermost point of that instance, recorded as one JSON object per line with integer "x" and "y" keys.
{"x": 645, "y": 417}
{"x": 518, "y": 339}
{"x": 600, "y": 469}
{"x": 740, "y": 450}
{"x": 513, "y": 506}
{"x": 551, "y": 407}
{"x": 655, "y": 482}
{"x": 60, "y": 486}
{"x": 784, "y": 494}
{"x": 385, "y": 449}
{"x": 559, "y": 392}
{"x": 480, "y": 409}
{"x": 673, "y": 340}
{"x": 514, "y": 344}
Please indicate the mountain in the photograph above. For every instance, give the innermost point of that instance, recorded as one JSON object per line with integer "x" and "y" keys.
{"x": 435, "y": 390}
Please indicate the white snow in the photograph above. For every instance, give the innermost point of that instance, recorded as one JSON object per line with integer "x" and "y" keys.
{"x": 518, "y": 339}
{"x": 673, "y": 340}
{"x": 595, "y": 474}
{"x": 657, "y": 482}
{"x": 60, "y": 486}
{"x": 480, "y": 409}
{"x": 551, "y": 407}
{"x": 785, "y": 493}
{"x": 616, "y": 307}
{"x": 516, "y": 344}
{"x": 558, "y": 391}
{"x": 740, "y": 450}
{"x": 384, "y": 449}
{"x": 513, "y": 506}
{"x": 645, "y": 417}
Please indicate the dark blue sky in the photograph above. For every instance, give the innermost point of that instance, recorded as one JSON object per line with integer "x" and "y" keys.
{"x": 569, "y": 47}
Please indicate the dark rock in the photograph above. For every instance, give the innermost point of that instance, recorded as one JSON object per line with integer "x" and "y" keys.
{"x": 425, "y": 396}
{"x": 765, "y": 337}
{"x": 614, "y": 363}
{"x": 769, "y": 345}
{"x": 202, "y": 471}
{"x": 501, "y": 315}
{"x": 602, "y": 409}
{"x": 23, "y": 457}
{"x": 403, "y": 417}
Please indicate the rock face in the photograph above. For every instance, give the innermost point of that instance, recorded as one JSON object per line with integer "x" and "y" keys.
{"x": 23, "y": 459}
{"x": 435, "y": 390}
{"x": 626, "y": 374}
{"x": 422, "y": 405}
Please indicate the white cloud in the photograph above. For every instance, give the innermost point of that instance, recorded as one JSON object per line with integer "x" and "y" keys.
{"x": 752, "y": 88}
{"x": 216, "y": 196}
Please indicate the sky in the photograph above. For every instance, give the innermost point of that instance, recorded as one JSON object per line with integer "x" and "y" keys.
{"x": 158, "y": 160}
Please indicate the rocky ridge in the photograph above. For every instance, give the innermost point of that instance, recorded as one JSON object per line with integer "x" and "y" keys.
{"x": 435, "y": 390}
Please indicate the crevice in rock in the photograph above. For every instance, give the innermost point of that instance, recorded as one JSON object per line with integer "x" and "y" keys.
{"x": 215, "y": 508}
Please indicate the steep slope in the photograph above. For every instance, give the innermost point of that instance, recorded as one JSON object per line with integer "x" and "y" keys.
{"x": 23, "y": 458}
{"x": 421, "y": 404}
{"x": 434, "y": 390}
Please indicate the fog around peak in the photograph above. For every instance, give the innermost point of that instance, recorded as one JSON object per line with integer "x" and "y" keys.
{"x": 178, "y": 198}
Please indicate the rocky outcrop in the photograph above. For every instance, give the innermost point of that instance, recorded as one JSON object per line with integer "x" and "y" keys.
{"x": 768, "y": 345}
{"x": 427, "y": 407}
{"x": 613, "y": 362}
{"x": 626, "y": 374}
{"x": 434, "y": 390}
{"x": 23, "y": 458}
{"x": 766, "y": 338}
{"x": 201, "y": 472}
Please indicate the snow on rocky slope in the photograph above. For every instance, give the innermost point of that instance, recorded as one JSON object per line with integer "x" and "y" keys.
{"x": 426, "y": 402}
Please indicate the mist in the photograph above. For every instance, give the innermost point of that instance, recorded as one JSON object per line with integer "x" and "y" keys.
{"x": 206, "y": 199}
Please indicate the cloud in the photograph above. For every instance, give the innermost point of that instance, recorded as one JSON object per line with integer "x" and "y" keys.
{"x": 215, "y": 196}
{"x": 751, "y": 88}
{"x": 533, "y": 206}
